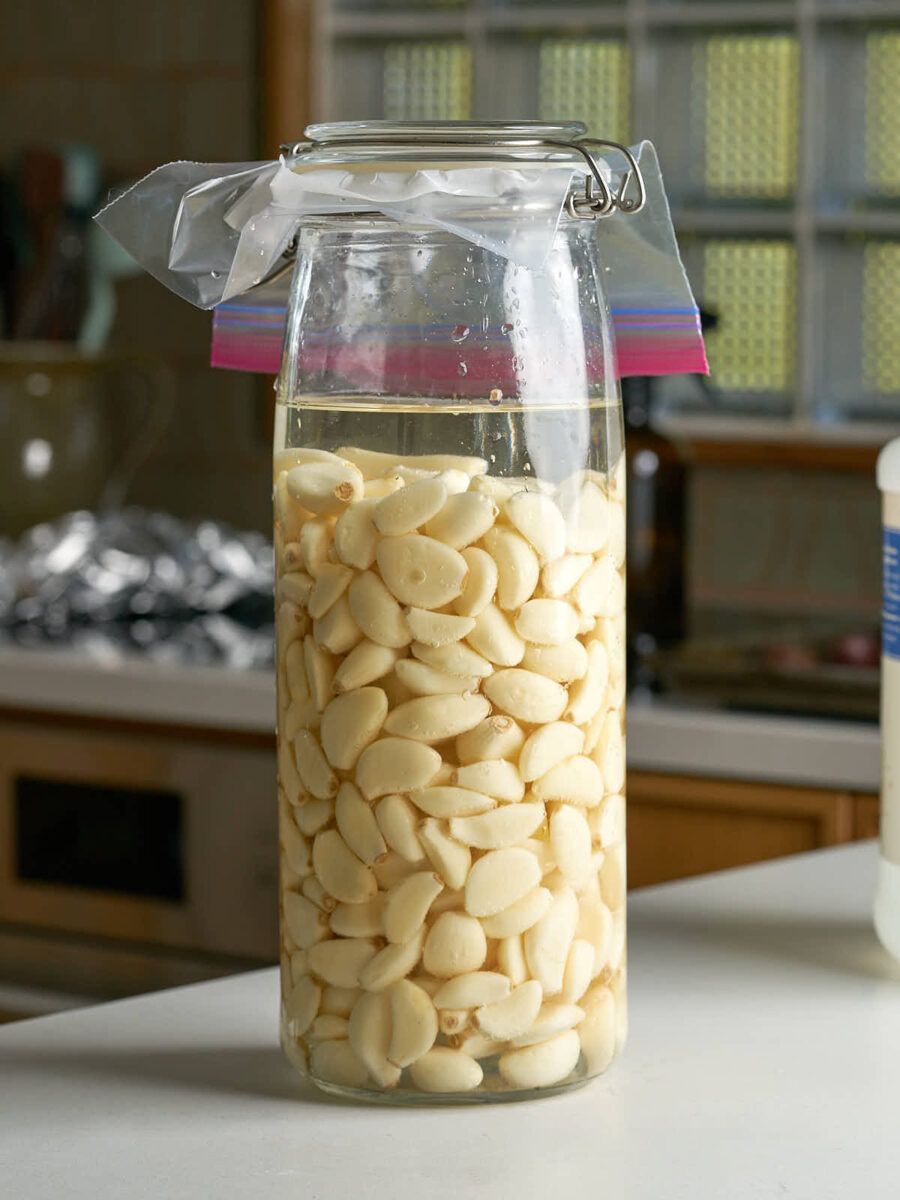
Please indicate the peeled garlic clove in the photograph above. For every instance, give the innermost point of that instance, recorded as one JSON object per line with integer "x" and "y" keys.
{"x": 301, "y": 1005}
{"x": 477, "y": 1045}
{"x": 314, "y": 541}
{"x": 498, "y": 879}
{"x": 337, "y": 632}
{"x": 541, "y": 1065}
{"x": 357, "y": 825}
{"x": 436, "y": 718}
{"x": 369, "y": 1034}
{"x": 575, "y": 780}
{"x": 334, "y": 1062}
{"x": 520, "y": 916}
{"x": 561, "y": 575}
{"x": 512, "y": 1015}
{"x": 597, "y": 1032}
{"x": 295, "y": 847}
{"x": 472, "y": 990}
{"x": 497, "y": 737}
{"x": 306, "y": 923}
{"x": 355, "y": 535}
{"x": 494, "y": 637}
{"x": 395, "y": 764}
{"x": 397, "y": 820}
{"x": 552, "y": 1019}
{"x": 407, "y": 905}
{"x": 538, "y": 519}
{"x": 579, "y": 971}
{"x": 607, "y": 822}
{"x": 295, "y": 670}
{"x": 350, "y": 723}
{"x": 494, "y": 776}
{"x": 600, "y": 592}
{"x": 331, "y": 582}
{"x": 295, "y": 587}
{"x": 456, "y": 659}
{"x": 526, "y": 696}
{"x": 392, "y": 964}
{"x": 612, "y": 877}
{"x": 377, "y": 613}
{"x": 444, "y": 802}
{"x": 586, "y": 697}
{"x": 316, "y": 894}
{"x": 341, "y": 960}
{"x": 547, "y": 746}
{"x": 463, "y": 519}
{"x": 392, "y": 868}
{"x": 338, "y": 1000}
{"x": 615, "y": 543}
{"x": 547, "y": 943}
{"x": 313, "y": 815}
{"x": 291, "y": 623}
{"x": 339, "y": 870}
{"x": 411, "y": 506}
{"x": 421, "y": 571}
{"x": 570, "y": 838}
{"x": 313, "y": 767}
{"x": 446, "y": 1071}
{"x": 319, "y": 672}
{"x": 373, "y": 463}
{"x": 480, "y": 585}
{"x": 450, "y": 860}
{"x": 455, "y": 945}
{"x": 359, "y": 920}
{"x": 414, "y": 1023}
{"x": 505, "y": 826}
{"x": 328, "y": 1027}
{"x": 364, "y": 664}
{"x": 437, "y": 629}
{"x": 517, "y": 566}
{"x": 587, "y": 514}
{"x": 511, "y": 960}
{"x": 325, "y": 487}
{"x": 423, "y": 680}
{"x": 609, "y": 753}
{"x": 547, "y": 622}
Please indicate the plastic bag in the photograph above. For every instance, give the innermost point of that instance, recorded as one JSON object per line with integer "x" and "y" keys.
{"x": 212, "y": 233}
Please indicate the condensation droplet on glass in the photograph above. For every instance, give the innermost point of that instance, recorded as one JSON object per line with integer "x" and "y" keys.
{"x": 506, "y": 327}
{"x": 460, "y": 333}
{"x": 462, "y": 369}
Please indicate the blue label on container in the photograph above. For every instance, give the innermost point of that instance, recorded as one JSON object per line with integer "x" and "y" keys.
{"x": 890, "y": 610}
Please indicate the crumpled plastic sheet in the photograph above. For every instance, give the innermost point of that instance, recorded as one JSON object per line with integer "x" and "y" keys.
{"x": 132, "y": 581}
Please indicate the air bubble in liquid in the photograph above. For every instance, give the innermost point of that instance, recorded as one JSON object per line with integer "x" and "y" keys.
{"x": 460, "y": 333}
{"x": 462, "y": 369}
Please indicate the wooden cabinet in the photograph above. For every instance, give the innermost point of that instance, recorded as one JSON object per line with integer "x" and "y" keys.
{"x": 681, "y": 825}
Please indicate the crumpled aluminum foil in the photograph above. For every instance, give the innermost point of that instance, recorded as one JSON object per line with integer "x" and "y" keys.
{"x": 129, "y": 580}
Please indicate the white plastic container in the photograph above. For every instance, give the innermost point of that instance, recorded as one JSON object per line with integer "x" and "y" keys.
{"x": 887, "y": 899}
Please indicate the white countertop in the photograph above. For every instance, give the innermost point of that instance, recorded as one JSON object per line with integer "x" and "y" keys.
{"x": 662, "y": 736}
{"x": 763, "y": 1061}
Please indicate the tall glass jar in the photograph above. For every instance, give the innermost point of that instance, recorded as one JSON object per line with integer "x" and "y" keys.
{"x": 450, "y": 541}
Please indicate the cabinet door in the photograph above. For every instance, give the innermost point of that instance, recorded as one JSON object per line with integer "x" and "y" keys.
{"x": 865, "y": 816}
{"x": 680, "y": 825}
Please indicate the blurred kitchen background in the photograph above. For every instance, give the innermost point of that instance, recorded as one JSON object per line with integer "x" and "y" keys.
{"x": 137, "y": 814}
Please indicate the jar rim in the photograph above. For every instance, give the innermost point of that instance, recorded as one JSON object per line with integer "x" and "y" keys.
{"x": 476, "y": 133}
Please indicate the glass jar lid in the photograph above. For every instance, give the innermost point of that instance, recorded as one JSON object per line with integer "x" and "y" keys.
{"x": 443, "y": 143}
